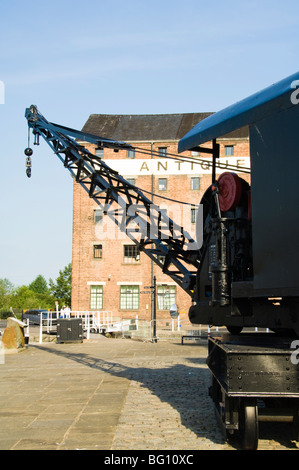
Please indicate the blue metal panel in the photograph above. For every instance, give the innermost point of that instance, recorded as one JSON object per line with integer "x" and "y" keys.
{"x": 273, "y": 99}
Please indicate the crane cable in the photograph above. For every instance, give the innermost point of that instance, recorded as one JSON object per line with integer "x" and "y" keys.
{"x": 140, "y": 150}
{"x": 167, "y": 198}
{"x": 189, "y": 160}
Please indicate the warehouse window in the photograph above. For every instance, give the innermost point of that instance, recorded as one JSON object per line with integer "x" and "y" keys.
{"x": 97, "y": 251}
{"x": 195, "y": 183}
{"x": 162, "y": 151}
{"x": 96, "y": 297}
{"x": 162, "y": 184}
{"x": 97, "y": 215}
{"x": 129, "y": 297}
{"x": 131, "y": 254}
{"x": 131, "y": 153}
{"x": 99, "y": 152}
{"x": 131, "y": 181}
{"x": 229, "y": 150}
{"x": 166, "y": 297}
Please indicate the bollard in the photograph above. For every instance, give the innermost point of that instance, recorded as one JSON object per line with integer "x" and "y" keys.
{"x": 41, "y": 329}
{"x": 88, "y": 325}
{"x": 27, "y": 333}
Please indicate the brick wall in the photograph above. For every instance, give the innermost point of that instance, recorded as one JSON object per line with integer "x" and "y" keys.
{"x": 111, "y": 272}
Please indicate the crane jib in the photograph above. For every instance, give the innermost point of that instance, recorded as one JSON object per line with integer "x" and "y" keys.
{"x": 166, "y": 242}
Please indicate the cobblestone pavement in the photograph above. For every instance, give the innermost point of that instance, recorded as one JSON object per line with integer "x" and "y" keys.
{"x": 114, "y": 394}
{"x": 168, "y": 407}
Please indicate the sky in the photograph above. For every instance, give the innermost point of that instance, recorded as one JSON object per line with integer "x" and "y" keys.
{"x": 75, "y": 58}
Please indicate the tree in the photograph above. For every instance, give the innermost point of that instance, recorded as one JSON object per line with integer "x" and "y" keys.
{"x": 61, "y": 289}
{"x": 39, "y": 285}
{"x": 24, "y": 298}
{"x": 6, "y": 291}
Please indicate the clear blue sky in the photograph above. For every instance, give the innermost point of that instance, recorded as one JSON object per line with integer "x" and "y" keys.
{"x": 72, "y": 58}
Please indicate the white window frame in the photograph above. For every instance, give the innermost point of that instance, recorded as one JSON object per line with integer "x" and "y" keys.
{"x": 129, "y": 297}
{"x": 96, "y": 297}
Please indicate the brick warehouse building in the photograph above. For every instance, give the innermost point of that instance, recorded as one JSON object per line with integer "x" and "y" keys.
{"x": 108, "y": 272}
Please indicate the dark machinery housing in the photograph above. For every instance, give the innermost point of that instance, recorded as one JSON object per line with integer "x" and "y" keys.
{"x": 248, "y": 273}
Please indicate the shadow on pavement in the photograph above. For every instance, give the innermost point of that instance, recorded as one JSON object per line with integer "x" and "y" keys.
{"x": 183, "y": 387}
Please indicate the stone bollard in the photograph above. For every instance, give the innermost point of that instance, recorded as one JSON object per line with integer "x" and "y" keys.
{"x": 13, "y": 336}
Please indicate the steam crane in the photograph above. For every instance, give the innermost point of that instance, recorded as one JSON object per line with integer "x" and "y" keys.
{"x": 243, "y": 271}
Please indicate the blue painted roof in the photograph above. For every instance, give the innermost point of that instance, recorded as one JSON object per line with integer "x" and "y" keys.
{"x": 246, "y": 112}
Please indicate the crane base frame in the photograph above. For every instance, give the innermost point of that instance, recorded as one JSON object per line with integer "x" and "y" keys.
{"x": 254, "y": 378}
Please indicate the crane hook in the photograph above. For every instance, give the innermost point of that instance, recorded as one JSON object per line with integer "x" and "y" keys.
{"x": 28, "y": 152}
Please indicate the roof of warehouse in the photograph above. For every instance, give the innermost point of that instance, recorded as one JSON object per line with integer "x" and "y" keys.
{"x": 147, "y": 127}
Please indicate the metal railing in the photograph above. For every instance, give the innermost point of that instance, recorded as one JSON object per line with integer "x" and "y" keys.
{"x": 103, "y": 322}
{"x": 97, "y": 322}
{"x": 166, "y": 329}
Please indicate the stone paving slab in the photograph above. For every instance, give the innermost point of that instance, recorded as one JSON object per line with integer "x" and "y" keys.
{"x": 114, "y": 394}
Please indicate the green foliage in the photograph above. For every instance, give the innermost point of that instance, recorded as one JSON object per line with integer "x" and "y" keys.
{"x": 37, "y": 294}
{"x": 6, "y": 290}
{"x": 39, "y": 285}
{"x": 25, "y": 298}
{"x": 61, "y": 290}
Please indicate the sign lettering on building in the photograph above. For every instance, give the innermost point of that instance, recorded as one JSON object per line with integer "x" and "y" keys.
{"x": 140, "y": 167}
